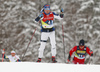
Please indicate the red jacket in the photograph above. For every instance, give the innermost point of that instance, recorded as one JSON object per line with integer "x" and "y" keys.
{"x": 80, "y": 53}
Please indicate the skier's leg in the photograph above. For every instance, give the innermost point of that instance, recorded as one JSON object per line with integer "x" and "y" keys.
{"x": 53, "y": 45}
{"x": 41, "y": 49}
{"x": 44, "y": 37}
{"x": 74, "y": 62}
{"x": 81, "y": 63}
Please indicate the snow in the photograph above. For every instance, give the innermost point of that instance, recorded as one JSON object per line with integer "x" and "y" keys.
{"x": 96, "y": 9}
{"x": 28, "y": 53}
{"x": 82, "y": 9}
{"x": 98, "y": 32}
{"x": 50, "y": 67}
{"x": 87, "y": 26}
{"x": 64, "y": 22}
{"x": 48, "y": 54}
{"x": 32, "y": 3}
{"x": 88, "y": 2}
{"x": 54, "y": 7}
{"x": 96, "y": 18}
{"x": 82, "y": 19}
{"x": 9, "y": 3}
{"x": 85, "y": 5}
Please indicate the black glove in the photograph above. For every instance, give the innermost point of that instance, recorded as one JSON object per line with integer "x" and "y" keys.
{"x": 91, "y": 53}
{"x": 61, "y": 15}
{"x": 37, "y": 19}
{"x": 62, "y": 10}
{"x": 69, "y": 57}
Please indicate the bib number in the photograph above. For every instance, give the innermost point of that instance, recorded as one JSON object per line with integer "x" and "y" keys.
{"x": 80, "y": 56}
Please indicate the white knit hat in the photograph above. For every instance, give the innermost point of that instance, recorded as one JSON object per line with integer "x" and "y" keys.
{"x": 12, "y": 51}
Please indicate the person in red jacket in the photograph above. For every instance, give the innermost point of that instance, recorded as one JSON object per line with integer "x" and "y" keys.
{"x": 80, "y": 53}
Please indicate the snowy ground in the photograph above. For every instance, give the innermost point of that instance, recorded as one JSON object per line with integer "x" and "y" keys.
{"x": 46, "y": 67}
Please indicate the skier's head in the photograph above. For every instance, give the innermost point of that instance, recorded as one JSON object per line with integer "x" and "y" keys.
{"x": 46, "y": 8}
{"x": 13, "y": 53}
{"x": 81, "y": 44}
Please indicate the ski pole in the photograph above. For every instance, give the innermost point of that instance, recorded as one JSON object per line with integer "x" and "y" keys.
{"x": 89, "y": 60}
{"x": 29, "y": 43}
{"x": 3, "y": 55}
{"x": 63, "y": 36}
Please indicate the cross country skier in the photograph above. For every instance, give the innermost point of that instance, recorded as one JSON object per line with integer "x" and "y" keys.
{"x": 12, "y": 58}
{"x": 80, "y": 53}
{"x": 47, "y": 30}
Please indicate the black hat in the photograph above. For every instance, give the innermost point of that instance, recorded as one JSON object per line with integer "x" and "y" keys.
{"x": 81, "y": 42}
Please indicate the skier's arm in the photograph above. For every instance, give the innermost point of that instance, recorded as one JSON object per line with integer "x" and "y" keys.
{"x": 90, "y": 52}
{"x": 71, "y": 52}
{"x": 18, "y": 59}
{"x": 39, "y": 17}
{"x": 57, "y": 16}
{"x": 5, "y": 57}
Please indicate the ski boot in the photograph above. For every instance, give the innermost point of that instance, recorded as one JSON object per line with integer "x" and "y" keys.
{"x": 39, "y": 60}
{"x": 53, "y": 59}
